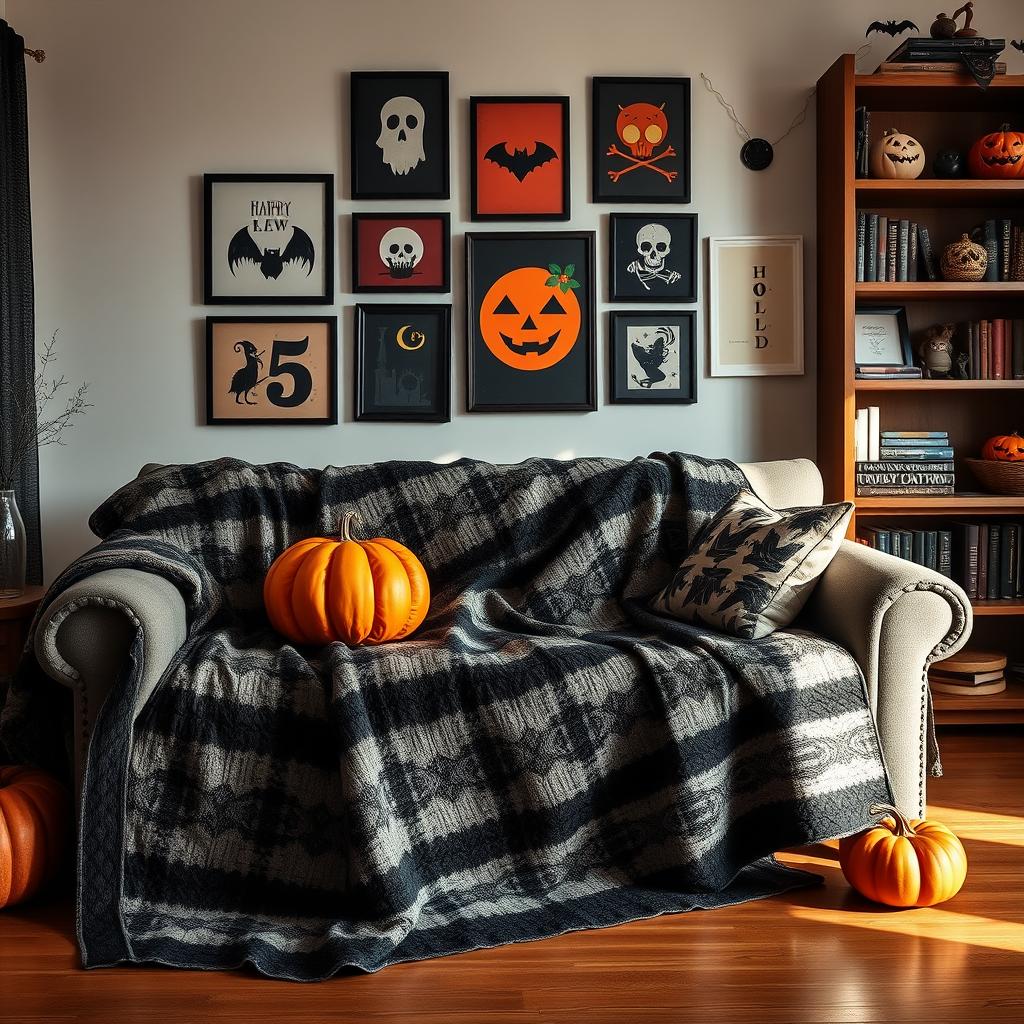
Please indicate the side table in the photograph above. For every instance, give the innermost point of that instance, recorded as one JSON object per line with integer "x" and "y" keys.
{"x": 15, "y": 617}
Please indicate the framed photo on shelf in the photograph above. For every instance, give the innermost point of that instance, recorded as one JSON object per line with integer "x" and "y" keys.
{"x": 652, "y": 258}
{"x": 531, "y": 321}
{"x": 271, "y": 370}
{"x": 399, "y": 134}
{"x": 757, "y": 305}
{"x": 641, "y": 140}
{"x": 268, "y": 239}
{"x": 519, "y": 157}
{"x": 403, "y": 363}
{"x": 882, "y": 337}
{"x": 653, "y": 356}
{"x": 395, "y": 252}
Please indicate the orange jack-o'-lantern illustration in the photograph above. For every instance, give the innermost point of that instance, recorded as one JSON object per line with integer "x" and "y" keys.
{"x": 527, "y": 323}
{"x": 641, "y": 126}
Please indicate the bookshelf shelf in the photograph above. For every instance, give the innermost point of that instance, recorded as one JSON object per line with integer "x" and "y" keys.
{"x": 911, "y": 291}
{"x": 998, "y": 607}
{"x": 933, "y": 192}
{"x": 938, "y": 385}
{"x": 1004, "y": 708}
{"x": 957, "y": 505}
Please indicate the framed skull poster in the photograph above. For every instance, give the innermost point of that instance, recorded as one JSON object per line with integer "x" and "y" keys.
{"x": 519, "y": 157}
{"x": 268, "y": 239}
{"x": 652, "y": 257}
{"x": 641, "y": 140}
{"x": 653, "y": 357}
{"x": 396, "y": 253}
{"x": 399, "y": 125}
{"x": 531, "y": 321}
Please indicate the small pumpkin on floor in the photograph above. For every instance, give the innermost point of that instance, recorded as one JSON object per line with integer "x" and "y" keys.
{"x": 35, "y": 813}
{"x": 322, "y": 590}
{"x": 904, "y": 862}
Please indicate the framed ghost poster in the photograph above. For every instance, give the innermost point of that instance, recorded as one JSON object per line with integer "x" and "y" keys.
{"x": 399, "y": 125}
{"x": 653, "y": 357}
{"x": 392, "y": 252}
{"x": 641, "y": 140}
{"x": 531, "y": 321}
{"x": 519, "y": 157}
{"x": 268, "y": 239}
{"x": 652, "y": 257}
{"x": 403, "y": 363}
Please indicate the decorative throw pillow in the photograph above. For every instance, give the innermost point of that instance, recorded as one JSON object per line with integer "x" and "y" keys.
{"x": 751, "y": 569}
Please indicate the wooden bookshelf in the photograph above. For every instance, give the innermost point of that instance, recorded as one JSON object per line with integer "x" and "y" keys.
{"x": 948, "y": 110}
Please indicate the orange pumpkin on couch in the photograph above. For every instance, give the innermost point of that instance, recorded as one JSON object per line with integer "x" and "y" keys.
{"x": 322, "y": 590}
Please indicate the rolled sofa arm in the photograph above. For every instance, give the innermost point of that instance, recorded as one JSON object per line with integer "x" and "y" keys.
{"x": 85, "y": 634}
{"x": 895, "y": 618}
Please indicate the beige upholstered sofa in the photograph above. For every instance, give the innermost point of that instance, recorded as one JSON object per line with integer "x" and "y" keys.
{"x": 893, "y": 616}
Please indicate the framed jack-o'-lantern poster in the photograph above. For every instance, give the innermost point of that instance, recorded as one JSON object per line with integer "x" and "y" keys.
{"x": 531, "y": 321}
{"x": 519, "y": 157}
{"x": 395, "y": 252}
{"x": 641, "y": 140}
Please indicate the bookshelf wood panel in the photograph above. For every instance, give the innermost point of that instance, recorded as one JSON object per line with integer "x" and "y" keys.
{"x": 938, "y": 385}
{"x": 1001, "y": 607}
{"x": 935, "y": 192}
{"x": 957, "y": 505}
{"x": 918, "y": 291}
{"x": 1004, "y": 708}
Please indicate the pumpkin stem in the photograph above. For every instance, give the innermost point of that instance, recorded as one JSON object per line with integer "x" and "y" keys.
{"x": 345, "y": 527}
{"x": 902, "y": 825}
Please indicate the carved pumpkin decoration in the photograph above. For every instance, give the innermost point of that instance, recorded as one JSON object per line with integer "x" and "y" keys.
{"x": 322, "y": 590}
{"x": 897, "y": 155}
{"x": 904, "y": 863}
{"x": 527, "y": 323}
{"x": 1004, "y": 448}
{"x": 963, "y": 261}
{"x": 998, "y": 155}
{"x": 35, "y": 814}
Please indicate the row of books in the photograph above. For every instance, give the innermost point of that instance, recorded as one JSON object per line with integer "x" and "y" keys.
{"x": 1004, "y": 244}
{"x": 994, "y": 348}
{"x": 931, "y": 548}
{"x": 901, "y": 462}
{"x": 893, "y": 250}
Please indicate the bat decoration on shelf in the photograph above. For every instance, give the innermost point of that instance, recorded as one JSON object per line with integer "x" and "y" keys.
{"x": 891, "y": 28}
{"x": 1017, "y": 44}
{"x": 519, "y": 163}
{"x": 271, "y": 261}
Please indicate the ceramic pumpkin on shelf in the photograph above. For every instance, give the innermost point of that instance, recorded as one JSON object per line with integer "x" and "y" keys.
{"x": 35, "y": 817}
{"x": 998, "y": 155}
{"x": 902, "y": 862}
{"x": 897, "y": 155}
{"x": 1004, "y": 448}
{"x": 322, "y": 590}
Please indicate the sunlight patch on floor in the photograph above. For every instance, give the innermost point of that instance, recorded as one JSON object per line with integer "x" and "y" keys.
{"x": 980, "y": 825}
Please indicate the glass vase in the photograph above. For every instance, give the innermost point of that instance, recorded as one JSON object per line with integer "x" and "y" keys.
{"x": 13, "y": 547}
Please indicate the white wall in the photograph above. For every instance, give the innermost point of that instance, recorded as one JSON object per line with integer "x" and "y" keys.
{"x": 138, "y": 98}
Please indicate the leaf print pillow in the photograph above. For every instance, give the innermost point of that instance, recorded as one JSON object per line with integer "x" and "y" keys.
{"x": 751, "y": 569}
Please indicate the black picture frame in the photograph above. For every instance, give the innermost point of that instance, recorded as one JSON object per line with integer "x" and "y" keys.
{"x": 621, "y": 391}
{"x": 214, "y": 297}
{"x": 330, "y": 376}
{"x": 359, "y": 280}
{"x": 526, "y": 214}
{"x": 430, "y": 177}
{"x": 608, "y": 96}
{"x": 899, "y": 318}
{"x": 624, "y": 243}
{"x": 493, "y": 383}
{"x": 386, "y": 315}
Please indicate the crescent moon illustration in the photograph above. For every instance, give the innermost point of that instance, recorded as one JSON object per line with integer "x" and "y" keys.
{"x": 400, "y": 338}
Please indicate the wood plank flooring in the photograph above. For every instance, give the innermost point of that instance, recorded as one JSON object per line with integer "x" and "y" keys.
{"x": 819, "y": 955}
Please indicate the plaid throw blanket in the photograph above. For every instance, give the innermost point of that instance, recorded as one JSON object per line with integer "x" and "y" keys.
{"x": 543, "y": 755}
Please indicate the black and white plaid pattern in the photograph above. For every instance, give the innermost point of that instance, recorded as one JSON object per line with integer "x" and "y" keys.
{"x": 543, "y": 755}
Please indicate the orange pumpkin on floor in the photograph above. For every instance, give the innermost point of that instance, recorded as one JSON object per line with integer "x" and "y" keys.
{"x": 35, "y": 814}
{"x": 1004, "y": 448}
{"x": 904, "y": 863}
{"x": 322, "y": 590}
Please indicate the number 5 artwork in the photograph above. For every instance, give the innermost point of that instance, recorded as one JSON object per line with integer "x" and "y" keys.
{"x": 270, "y": 370}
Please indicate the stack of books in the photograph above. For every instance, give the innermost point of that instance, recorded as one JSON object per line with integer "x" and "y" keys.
{"x": 994, "y": 348}
{"x": 901, "y": 462}
{"x": 923, "y": 54}
{"x": 969, "y": 674}
{"x": 988, "y": 560}
{"x": 931, "y": 548}
{"x": 893, "y": 250}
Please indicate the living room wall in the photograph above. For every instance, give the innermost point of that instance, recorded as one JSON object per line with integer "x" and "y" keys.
{"x": 137, "y": 98}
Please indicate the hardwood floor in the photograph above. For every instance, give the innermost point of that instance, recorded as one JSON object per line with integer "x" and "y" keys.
{"x": 819, "y": 955}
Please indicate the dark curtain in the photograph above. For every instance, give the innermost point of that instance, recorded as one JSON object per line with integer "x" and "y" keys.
{"x": 17, "y": 321}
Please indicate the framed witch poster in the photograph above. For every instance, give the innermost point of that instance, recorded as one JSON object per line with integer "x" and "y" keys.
{"x": 653, "y": 357}
{"x": 268, "y": 239}
{"x": 531, "y": 321}
{"x": 641, "y": 140}
{"x": 519, "y": 153}
{"x": 269, "y": 370}
{"x": 399, "y": 126}
{"x": 403, "y": 363}
{"x": 394, "y": 252}
{"x": 652, "y": 257}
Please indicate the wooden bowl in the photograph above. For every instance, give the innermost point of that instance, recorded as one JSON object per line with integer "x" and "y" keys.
{"x": 999, "y": 477}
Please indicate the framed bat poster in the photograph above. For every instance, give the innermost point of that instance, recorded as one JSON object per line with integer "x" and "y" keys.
{"x": 641, "y": 140}
{"x": 653, "y": 357}
{"x": 757, "y": 305}
{"x": 519, "y": 157}
{"x": 399, "y": 125}
{"x": 395, "y": 252}
{"x": 268, "y": 239}
{"x": 652, "y": 257}
{"x": 266, "y": 370}
{"x": 531, "y": 321}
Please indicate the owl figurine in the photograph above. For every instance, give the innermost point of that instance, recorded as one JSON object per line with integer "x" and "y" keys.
{"x": 936, "y": 351}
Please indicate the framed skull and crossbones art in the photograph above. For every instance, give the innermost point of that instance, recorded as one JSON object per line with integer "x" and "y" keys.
{"x": 641, "y": 140}
{"x": 395, "y": 252}
{"x": 652, "y": 257}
